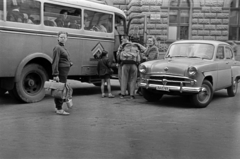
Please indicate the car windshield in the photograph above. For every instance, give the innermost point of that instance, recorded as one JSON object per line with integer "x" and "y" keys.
{"x": 192, "y": 50}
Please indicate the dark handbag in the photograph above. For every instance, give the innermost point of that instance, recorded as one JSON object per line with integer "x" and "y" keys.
{"x": 58, "y": 89}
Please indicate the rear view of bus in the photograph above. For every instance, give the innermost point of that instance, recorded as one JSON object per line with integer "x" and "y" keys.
{"x": 28, "y": 33}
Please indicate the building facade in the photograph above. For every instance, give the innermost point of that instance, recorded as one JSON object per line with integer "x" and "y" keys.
{"x": 185, "y": 19}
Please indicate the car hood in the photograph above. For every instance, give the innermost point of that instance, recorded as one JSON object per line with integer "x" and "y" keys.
{"x": 176, "y": 66}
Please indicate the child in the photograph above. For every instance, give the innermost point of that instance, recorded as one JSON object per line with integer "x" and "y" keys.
{"x": 104, "y": 71}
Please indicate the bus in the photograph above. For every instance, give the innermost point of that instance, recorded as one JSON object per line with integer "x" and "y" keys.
{"x": 28, "y": 34}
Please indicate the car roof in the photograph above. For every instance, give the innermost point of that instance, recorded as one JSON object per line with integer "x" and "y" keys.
{"x": 213, "y": 42}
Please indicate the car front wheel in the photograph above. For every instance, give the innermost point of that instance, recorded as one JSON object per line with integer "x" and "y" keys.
{"x": 150, "y": 95}
{"x": 203, "y": 98}
{"x": 232, "y": 90}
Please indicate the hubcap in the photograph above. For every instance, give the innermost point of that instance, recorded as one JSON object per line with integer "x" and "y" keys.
{"x": 32, "y": 83}
{"x": 204, "y": 95}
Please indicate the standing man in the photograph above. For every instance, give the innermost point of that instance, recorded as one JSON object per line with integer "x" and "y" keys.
{"x": 130, "y": 58}
{"x": 120, "y": 49}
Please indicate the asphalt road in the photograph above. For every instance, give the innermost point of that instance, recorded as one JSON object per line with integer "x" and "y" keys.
{"x": 104, "y": 128}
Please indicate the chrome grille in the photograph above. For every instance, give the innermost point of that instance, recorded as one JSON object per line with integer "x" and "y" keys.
{"x": 171, "y": 80}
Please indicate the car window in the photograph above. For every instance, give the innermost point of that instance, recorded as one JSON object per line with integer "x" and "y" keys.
{"x": 220, "y": 52}
{"x": 192, "y": 50}
{"x": 228, "y": 53}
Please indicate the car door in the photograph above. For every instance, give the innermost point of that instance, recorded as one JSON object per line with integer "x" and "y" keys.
{"x": 224, "y": 68}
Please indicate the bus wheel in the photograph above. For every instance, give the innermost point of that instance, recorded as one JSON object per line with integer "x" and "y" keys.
{"x": 30, "y": 87}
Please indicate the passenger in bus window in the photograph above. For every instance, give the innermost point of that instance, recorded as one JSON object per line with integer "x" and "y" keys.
{"x": 86, "y": 21}
{"x": 75, "y": 20}
{"x": 99, "y": 28}
{"x": 26, "y": 19}
{"x": 63, "y": 19}
{"x": 15, "y": 15}
{"x": 60, "y": 67}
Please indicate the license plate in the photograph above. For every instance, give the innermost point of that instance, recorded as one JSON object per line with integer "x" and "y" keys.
{"x": 162, "y": 88}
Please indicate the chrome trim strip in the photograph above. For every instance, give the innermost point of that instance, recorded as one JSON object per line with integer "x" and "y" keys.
{"x": 173, "y": 88}
{"x": 173, "y": 81}
{"x": 186, "y": 82}
{"x": 172, "y": 76}
{"x": 43, "y": 32}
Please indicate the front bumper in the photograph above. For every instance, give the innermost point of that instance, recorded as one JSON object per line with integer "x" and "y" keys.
{"x": 181, "y": 88}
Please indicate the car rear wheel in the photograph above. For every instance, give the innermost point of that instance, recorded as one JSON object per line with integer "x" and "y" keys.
{"x": 30, "y": 87}
{"x": 203, "y": 98}
{"x": 232, "y": 90}
{"x": 150, "y": 95}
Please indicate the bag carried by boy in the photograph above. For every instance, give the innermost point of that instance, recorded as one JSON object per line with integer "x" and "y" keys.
{"x": 58, "y": 89}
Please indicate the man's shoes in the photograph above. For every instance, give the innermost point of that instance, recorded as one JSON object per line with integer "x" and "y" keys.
{"x": 111, "y": 96}
{"x": 103, "y": 95}
{"x": 132, "y": 97}
{"x": 61, "y": 112}
{"x": 122, "y": 96}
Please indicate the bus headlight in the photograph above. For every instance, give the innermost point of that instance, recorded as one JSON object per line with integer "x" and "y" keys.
{"x": 142, "y": 68}
{"x": 192, "y": 72}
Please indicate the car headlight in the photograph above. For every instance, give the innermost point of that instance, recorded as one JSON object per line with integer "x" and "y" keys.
{"x": 192, "y": 72}
{"x": 142, "y": 68}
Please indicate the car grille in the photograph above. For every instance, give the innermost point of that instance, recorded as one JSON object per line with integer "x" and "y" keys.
{"x": 172, "y": 81}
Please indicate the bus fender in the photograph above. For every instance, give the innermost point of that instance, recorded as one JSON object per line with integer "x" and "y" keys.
{"x": 27, "y": 59}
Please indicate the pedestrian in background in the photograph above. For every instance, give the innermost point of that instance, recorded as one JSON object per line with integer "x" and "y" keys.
{"x": 104, "y": 71}
{"x": 234, "y": 47}
{"x": 151, "y": 52}
{"x": 60, "y": 67}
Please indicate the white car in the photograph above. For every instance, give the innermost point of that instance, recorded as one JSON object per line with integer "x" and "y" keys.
{"x": 191, "y": 67}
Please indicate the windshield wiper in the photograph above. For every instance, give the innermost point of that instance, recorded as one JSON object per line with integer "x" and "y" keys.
{"x": 178, "y": 56}
{"x": 194, "y": 57}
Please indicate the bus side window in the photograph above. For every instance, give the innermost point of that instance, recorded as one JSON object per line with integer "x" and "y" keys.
{"x": 61, "y": 16}
{"x": 27, "y": 11}
{"x": 98, "y": 21}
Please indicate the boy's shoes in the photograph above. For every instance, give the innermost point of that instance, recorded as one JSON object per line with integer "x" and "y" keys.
{"x": 103, "y": 95}
{"x": 132, "y": 97}
{"x": 111, "y": 96}
{"x": 61, "y": 112}
{"x": 122, "y": 96}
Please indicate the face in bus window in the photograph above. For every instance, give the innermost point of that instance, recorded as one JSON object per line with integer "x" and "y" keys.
{"x": 86, "y": 20}
{"x": 62, "y": 38}
{"x": 65, "y": 15}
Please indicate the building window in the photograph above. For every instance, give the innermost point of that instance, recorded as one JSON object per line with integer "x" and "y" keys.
{"x": 179, "y": 19}
{"x": 234, "y": 20}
